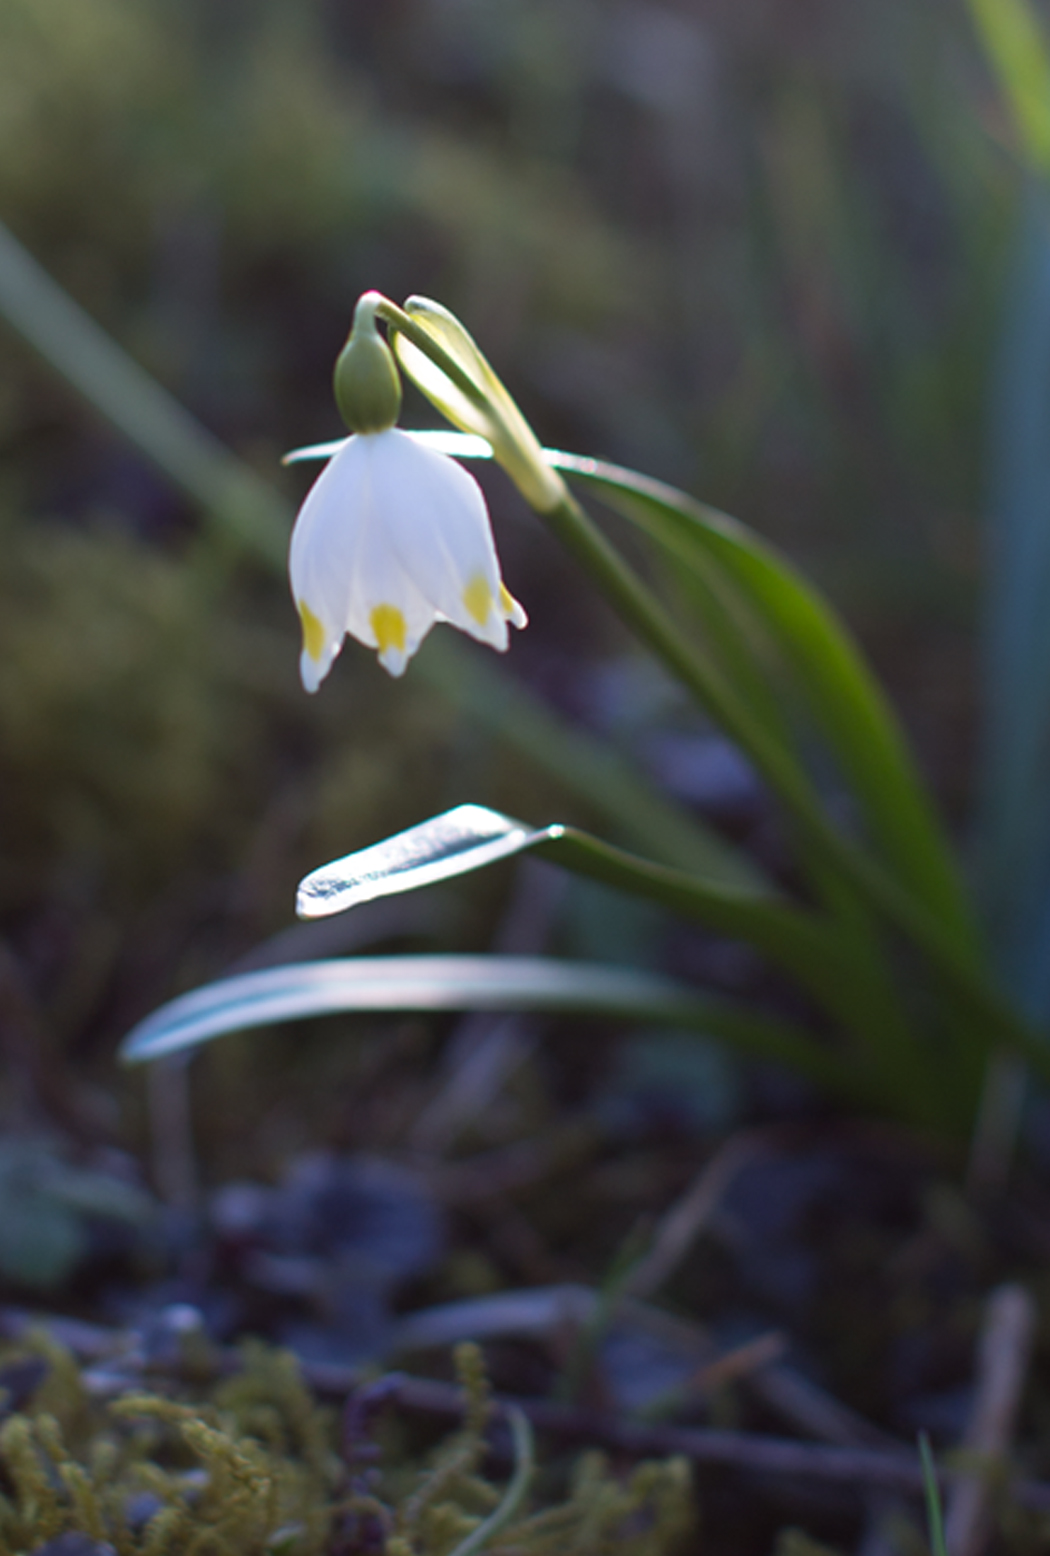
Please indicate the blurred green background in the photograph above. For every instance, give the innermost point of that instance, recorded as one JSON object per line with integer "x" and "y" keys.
{"x": 758, "y": 249}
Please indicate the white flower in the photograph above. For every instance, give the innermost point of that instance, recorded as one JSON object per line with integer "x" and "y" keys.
{"x": 393, "y": 537}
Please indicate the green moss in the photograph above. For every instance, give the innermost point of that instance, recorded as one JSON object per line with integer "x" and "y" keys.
{"x": 249, "y": 1467}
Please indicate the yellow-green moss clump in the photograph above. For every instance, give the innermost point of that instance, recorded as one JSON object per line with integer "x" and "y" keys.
{"x": 251, "y": 1469}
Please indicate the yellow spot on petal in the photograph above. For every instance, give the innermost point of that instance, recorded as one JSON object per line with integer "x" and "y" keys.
{"x": 388, "y": 624}
{"x": 507, "y": 603}
{"x": 313, "y": 631}
{"x": 477, "y": 597}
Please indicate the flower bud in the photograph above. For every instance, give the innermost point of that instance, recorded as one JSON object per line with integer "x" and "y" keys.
{"x": 366, "y": 380}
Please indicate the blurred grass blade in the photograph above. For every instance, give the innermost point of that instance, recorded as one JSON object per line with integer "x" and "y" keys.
{"x": 1013, "y": 823}
{"x": 1016, "y": 44}
{"x": 932, "y": 1492}
{"x": 524, "y": 1469}
{"x": 402, "y": 983}
{"x": 82, "y": 352}
{"x": 843, "y": 698}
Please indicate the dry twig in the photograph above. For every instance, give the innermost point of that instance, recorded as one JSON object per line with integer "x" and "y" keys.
{"x": 689, "y": 1215}
{"x": 1003, "y": 1354}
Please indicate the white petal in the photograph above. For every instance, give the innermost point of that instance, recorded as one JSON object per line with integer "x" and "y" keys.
{"x": 439, "y": 528}
{"x": 386, "y": 609}
{"x": 392, "y": 537}
{"x": 320, "y": 563}
{"x": 512, "y": 609}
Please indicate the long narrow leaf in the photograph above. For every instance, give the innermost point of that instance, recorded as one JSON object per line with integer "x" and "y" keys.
{"x": 400, "y": 983}
{"x": 919, "y": 895}
{"x": 470, "y": 837}
{"x": 823, "y": 960}
{"x": 846, "y": 703}
{"x": 611, "y": 786}
{"x": 1013, "y": 823}
{"x": 247, "y": 507}
{"x": 1016, "y": 45}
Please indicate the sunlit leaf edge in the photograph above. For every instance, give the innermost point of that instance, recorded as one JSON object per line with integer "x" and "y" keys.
{"x": 439, "y": 983}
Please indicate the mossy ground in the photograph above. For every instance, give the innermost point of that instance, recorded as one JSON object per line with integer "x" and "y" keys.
{"x": 253, "y": 1465}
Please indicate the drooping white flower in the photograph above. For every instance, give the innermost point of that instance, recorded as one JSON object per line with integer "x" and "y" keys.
{"x": 393, "y": 537}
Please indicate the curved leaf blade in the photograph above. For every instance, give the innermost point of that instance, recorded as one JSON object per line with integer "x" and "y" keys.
{"x": 472, "y": 836}
{"x": 469, "y": 837}
{"x": 813, "y": 949}
{"x": 1016, "y": 44}
{"x": 846, "y": 702}
{"x": 454, "y": 843}
{"x": 596, "y": 773}
{"x": 401, "y": 983}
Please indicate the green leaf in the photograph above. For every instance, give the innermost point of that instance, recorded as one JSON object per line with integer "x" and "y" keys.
{"x": 471, "y": 837}
{"x": 398, "y": 983}
{"x": 823, "y": 957}
{"x": 466, "y": 838}
{"x": 1016, "y": 46}
{"x": 248, "y": 509}
{"x": 843, "y": 699}
{"x": 608, "y": 784}
{"x": 1011, "y": 850}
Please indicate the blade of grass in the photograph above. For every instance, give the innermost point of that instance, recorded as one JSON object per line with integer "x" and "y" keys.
{"x": 1016, "y": 46}
{"x": 1012, "y": 842}
{"x": 932, "y": 1491}
{"x": 517, "y": 1489}
{"x": 151, "y": 418}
